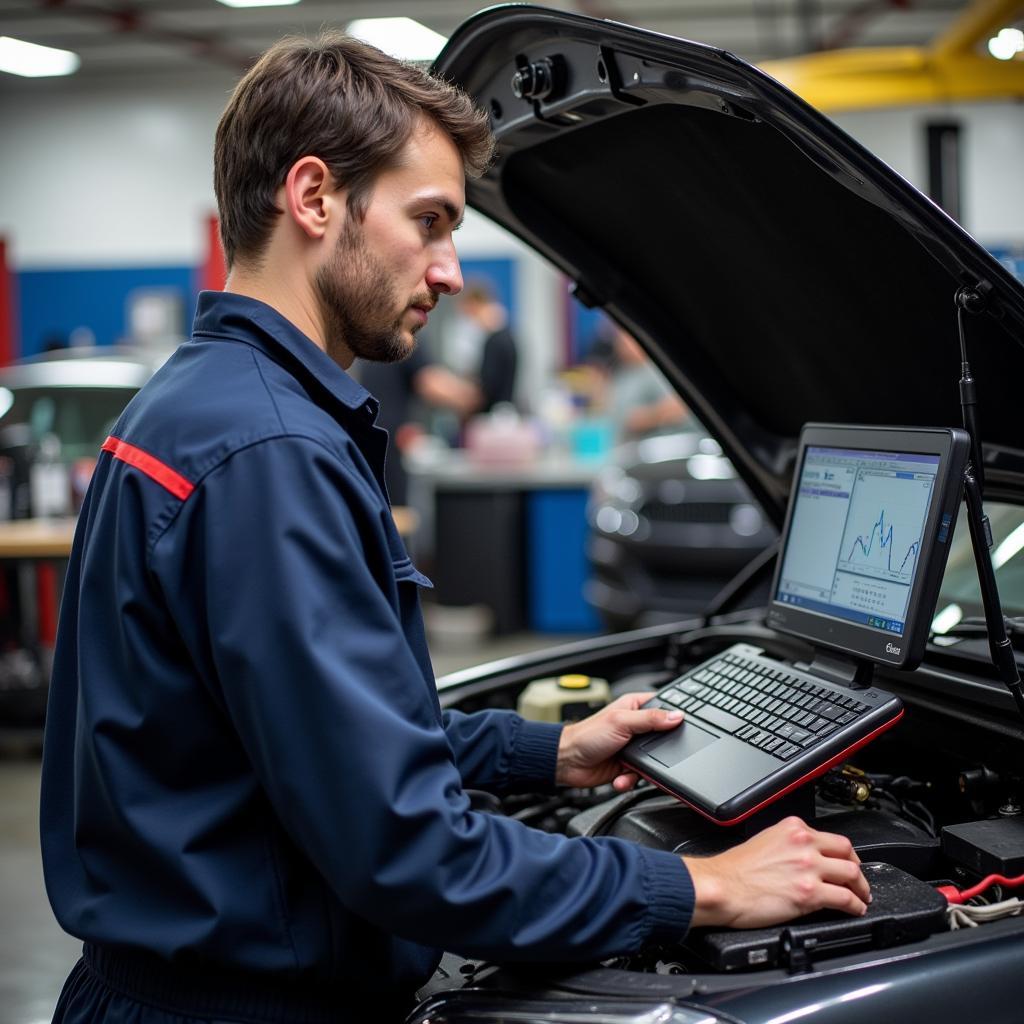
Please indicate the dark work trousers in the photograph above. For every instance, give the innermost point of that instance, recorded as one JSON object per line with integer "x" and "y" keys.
{"x": 105, "y": 987}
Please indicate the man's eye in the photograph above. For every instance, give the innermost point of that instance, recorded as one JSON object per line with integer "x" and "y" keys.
{"x": 429, "y": 220}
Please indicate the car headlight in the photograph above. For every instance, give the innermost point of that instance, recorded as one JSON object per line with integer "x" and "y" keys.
{"x": 469, "y": 1007}
{"x": 613, "y": 500}
{"x": 614, "y": 486}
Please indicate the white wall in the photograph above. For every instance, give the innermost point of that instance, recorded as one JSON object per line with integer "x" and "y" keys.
{"x": 992, "y": 140}
{"x": 108, "y": 177}
{"x": 113, "y": 177}
{"x": 116, "y": 177}
{"x": 121, "y": 178}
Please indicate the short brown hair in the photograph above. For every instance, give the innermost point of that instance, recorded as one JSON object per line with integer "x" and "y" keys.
{"x": 336, "y": 98}
{"x": 478, "y": 293}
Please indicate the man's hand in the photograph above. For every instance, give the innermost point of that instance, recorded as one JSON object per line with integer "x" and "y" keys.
{"x": 586, "y": 752}
{"x": 781, "y": 873}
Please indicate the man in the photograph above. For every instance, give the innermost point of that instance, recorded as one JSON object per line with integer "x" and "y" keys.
{"x": 253, "y": 808}
{"x": 497, "y": 369}
{"x": 640, "y": 402}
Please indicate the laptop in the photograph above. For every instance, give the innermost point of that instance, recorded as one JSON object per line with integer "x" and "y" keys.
{"x": 861, "y": 558}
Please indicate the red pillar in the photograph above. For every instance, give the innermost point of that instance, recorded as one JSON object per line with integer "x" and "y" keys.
{"x": 213, "y": 273}
{"x": 46, "y": 603}
{"x": 6, "y": 308}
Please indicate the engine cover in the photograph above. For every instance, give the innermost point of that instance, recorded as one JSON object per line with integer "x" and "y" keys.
{"x": 659, "y": 821}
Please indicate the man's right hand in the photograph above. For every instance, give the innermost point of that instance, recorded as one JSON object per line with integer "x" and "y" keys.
{"x": 783, "y": 872}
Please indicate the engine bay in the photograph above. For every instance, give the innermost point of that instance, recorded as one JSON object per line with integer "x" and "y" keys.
{"x": 933, "y": 809}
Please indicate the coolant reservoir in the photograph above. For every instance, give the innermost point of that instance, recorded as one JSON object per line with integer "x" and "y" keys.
{"x": 564, "y": 698}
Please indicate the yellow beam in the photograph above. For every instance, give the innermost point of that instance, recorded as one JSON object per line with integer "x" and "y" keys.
{"x": 957, "y": 67}
{"x": 979, "y": 23}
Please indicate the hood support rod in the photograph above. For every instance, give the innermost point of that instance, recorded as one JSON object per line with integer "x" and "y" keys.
{"x": 969, "y": 300}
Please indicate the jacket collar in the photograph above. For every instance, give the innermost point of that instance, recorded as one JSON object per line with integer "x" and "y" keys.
{"x": 227, "y": 315}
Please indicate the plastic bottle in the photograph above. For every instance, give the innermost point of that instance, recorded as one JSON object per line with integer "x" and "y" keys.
{"x": 564, "y": 698}
{"x": 48, "y": 481}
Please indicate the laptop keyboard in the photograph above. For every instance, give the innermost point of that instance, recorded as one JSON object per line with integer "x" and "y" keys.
{"x": 762, "y": 704}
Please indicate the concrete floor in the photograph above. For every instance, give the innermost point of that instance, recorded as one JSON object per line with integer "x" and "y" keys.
{"x": 35, "y": 955}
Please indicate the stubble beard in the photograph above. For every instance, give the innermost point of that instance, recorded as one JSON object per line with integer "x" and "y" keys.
{"x": 358, "y": 303}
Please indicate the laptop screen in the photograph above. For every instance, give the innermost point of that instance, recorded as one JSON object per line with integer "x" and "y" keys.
{"x": 866, "y": 538}
{"x": 856, "y": 533}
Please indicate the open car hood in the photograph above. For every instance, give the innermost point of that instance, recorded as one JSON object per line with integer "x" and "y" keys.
{"x": 776, "y": 271}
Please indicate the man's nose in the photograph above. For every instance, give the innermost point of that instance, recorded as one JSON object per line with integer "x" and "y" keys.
{"x": 444, "y": 274}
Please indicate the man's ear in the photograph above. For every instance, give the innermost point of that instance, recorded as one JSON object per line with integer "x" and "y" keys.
{"x": 310, "y": 196}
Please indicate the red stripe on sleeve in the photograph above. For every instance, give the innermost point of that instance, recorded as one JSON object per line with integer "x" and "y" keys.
{"x": 151, "y": 466}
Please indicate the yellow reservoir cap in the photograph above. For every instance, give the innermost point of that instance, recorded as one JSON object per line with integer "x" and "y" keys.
{"x": 563, "y": 698}
{"x": 574, "y": 682}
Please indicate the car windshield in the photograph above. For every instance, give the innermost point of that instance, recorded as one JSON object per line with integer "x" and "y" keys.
{"x": 960, "y": 596}
{"x": 80, "y": 417}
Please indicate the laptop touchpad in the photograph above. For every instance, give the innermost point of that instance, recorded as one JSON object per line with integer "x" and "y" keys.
{"x": 679, "y": 744}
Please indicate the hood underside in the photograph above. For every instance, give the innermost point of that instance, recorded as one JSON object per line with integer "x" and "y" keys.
{"x": 776, "y": 271}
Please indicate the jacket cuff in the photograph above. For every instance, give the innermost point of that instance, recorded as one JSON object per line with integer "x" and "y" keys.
{"x": 535, "y": 753}
{"x": 670, "y": 895}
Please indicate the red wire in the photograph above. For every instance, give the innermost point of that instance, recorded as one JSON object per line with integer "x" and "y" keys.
{"x": 954, "y": 895}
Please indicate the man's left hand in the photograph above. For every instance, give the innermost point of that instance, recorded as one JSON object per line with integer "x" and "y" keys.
{"x": 586, "y": 752}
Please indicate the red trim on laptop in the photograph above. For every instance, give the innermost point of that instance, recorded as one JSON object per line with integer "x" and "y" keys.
{"x": 813, "y": 774}
{"x": 151, "y": 466}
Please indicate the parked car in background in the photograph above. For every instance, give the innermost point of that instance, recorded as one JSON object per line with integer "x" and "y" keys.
{"x": 59, "y": 407}
{"x": 670, "y": 525}
{"x": 55, "y": 412}
{"x": 777, "y": 273}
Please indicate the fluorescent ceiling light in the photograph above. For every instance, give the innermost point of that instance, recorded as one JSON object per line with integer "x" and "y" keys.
{"x": 947, "y": 618}
{"x": 258, "y": 3}
{"x": 400, "y": 37}
{"x": 33, "y": 61}
{"x": 1007, "y": 44}
{"x": 1008, "y": 548}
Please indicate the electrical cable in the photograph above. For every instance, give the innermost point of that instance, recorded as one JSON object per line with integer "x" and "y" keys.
{"x": 539, "y": 810}
{"x": 624, "y": 802}
{"x": 971, "y": 917}
{"x": 960, "y": 896}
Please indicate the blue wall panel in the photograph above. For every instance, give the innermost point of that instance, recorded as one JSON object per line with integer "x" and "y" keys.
{"x": 500, "y": 275}
{"x": 585, "y": 326}
{"x": 1012, "y": 259}
{"x": 52, "y": 303}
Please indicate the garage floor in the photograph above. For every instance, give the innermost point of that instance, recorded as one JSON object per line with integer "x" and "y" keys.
{"x": 35, "y": 955}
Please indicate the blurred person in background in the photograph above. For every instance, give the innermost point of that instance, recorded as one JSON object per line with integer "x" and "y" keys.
{"x": 639, "y": 401}
{"x": 496, "y": 373}
{"x": 399, "y": 387}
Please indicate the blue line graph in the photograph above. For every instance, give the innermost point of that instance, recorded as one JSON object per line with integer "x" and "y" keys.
{"x": 885, "y": 542}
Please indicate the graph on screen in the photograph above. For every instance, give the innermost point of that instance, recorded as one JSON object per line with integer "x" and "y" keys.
{"x": 882, "y": 536}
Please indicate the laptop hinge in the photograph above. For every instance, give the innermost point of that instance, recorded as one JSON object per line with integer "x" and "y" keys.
{"x": 855, "y": 673}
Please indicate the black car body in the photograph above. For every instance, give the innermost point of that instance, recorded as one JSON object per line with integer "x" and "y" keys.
{"x": 670, "y": 525}
{"x": 778, "y": 274}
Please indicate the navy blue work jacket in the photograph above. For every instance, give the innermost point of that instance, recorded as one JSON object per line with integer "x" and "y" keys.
{"x": 246, "y": 767}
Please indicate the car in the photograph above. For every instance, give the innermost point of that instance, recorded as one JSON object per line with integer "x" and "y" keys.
{"x": 56, "y": 410}
{"x": 778, "y": 274}
{"x": 670, "y": 525}
{"x": 59, "y": 406}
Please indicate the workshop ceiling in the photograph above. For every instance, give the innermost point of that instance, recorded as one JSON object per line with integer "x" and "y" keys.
{"x": 130, "y": 39}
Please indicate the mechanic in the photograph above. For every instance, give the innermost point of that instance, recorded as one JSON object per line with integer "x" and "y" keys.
{"x": 496, "y": 369}
{"x": 253, "y": 808}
